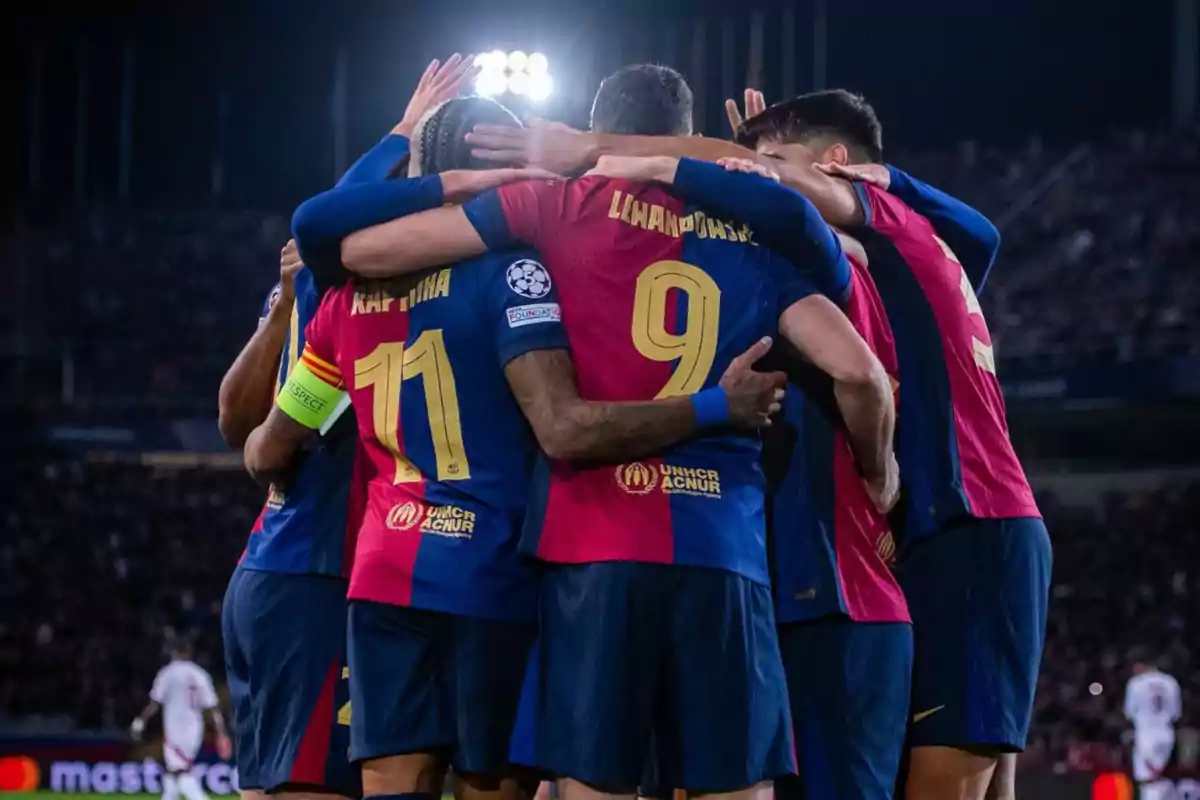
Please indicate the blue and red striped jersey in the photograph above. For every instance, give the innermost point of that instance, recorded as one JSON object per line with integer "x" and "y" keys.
{"x": 449, "y": 450}
{"x": 956, "y": 459}
{"x": 831, "y": 550}
{"x": 303, "y": 526}
{"x": 309, "y": 527}
{"x": 658, "y": 297}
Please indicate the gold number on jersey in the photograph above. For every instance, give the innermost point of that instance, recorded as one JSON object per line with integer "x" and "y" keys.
{"x": 385, "y": 368}
{"x": 343, "y": 715}
{"x": 985, "y": 358}
{"x": 696, "y": 347}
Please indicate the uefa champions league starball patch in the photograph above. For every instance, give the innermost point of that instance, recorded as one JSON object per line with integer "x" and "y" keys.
{"x": 528, "y": 278}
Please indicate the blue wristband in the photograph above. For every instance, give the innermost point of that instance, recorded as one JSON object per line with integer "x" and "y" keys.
{"x": 711, "y": 407}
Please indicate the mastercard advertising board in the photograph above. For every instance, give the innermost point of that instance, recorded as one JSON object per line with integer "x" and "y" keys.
{"x": 98, "y": 768}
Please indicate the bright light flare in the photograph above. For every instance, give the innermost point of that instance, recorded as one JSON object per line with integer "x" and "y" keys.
{"x": 496, "y": 60}
{"x": 541, "y": 85}
{"x": 490, "y": 84}
{"x": 518, "y": 83}
{"x": 517, "y": 73}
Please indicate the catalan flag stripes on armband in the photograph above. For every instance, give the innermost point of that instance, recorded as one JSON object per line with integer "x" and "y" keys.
{"x": 321, "y": 368}
{"x": 312, "y": 391}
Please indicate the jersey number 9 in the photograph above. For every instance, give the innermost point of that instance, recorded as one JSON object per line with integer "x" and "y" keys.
{"x": 696, "y": 347}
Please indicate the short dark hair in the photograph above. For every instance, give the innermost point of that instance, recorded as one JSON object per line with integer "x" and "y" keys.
{"x": 643, "y": 99}
{"x": 834, "y": 112}
{"x": 439, "y": 143}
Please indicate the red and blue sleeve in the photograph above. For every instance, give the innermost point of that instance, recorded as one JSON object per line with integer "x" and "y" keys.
{"x": 378, "y": 162}
{"x": 320, "y": 351}
{"x": 322, "y": 222}
{"x": 971, "y": 235}
{"x": 782, "y": 218}
{"x": 524, "y": 305}
{"x": 509, "y": 216}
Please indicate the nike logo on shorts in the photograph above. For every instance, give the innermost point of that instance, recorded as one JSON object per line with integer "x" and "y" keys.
{"x": 923, "y": 714}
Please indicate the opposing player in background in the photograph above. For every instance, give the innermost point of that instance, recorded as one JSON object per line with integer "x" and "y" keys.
{"x": 656, "y": 592}
{"x": 441, "y": 369}
{"x": 284, "y": 616}
{"x": 184, "y": 692}
{"x": 1153, "y": 704}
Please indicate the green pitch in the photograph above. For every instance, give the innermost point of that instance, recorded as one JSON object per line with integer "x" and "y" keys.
{"x": 78, "y": 796}
{"x": 73, "y": 795}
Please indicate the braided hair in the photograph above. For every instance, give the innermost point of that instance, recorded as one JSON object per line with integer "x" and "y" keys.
{"x": 438, "y": 142}
{"x": 438, "y": 145}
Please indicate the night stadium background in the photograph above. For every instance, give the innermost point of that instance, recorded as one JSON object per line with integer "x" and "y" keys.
{"x": 157, "y": 150}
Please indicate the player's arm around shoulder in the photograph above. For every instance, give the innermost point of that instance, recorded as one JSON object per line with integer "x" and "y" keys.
{"x": 824, "y": 336}
{"x": 432, "y": 237}
{"x": 245, "y": 394}
{"x": 570, "y": 428}
{"x": 532, "y": 348}
{"x": 308, "y": 403}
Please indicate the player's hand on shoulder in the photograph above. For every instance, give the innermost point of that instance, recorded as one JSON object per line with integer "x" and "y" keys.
{"x": 755, "y": 104}
{"x": 551, "y": 146}
{"x": 439, "y": 83}
{"x": 460, "y": 185}
{"x": 874, "y": 174}
{"x": 884, "y": 489}
{"x": 749, "y": 167}
{"x": 753, "y": 397}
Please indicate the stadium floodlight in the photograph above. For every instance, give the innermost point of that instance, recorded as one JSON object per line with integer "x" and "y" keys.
{"x": 490, "y": 83}
{"x": 518, "y": 83}
{"x": 540, "y": 86}
{"x": 514, "y": 73}
{"x": 497, "y": 60}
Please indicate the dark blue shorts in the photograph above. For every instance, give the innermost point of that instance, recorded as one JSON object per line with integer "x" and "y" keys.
{"x": 285, "y": 638}
{"x": 977, "y": 593}
{"x": 849, "y": 685}
{"x": 427, "y": 682}
{"x": 676, "y": 667}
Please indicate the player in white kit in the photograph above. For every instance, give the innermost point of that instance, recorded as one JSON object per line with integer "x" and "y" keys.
{"x": 1153, "y": 705}
{"x": 185, "y": 693}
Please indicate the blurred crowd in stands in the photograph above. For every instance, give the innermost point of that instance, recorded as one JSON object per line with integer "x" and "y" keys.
{"x": 1098, "y": 244}
{"x": 101, "y": 562}
{"x": 164, "y": 300}
{"x": 1124, "y": 591}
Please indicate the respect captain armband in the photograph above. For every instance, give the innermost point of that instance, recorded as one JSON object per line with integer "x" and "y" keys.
{"x": 711, "y": 407}
{"x": 309, "y": 400}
